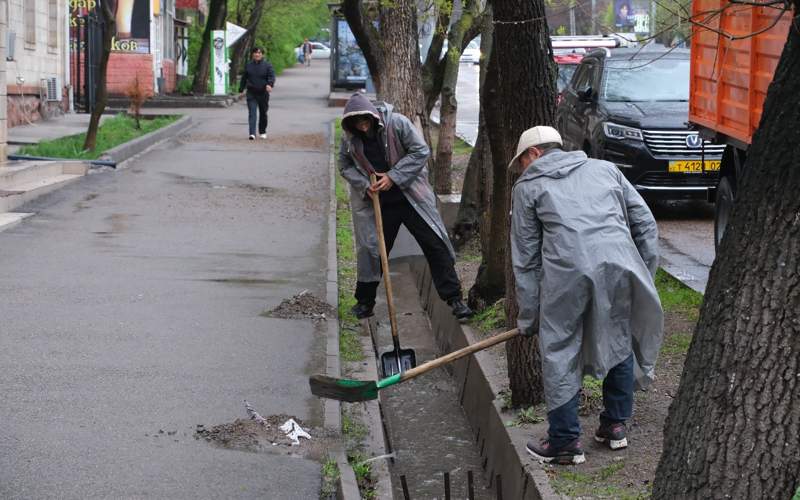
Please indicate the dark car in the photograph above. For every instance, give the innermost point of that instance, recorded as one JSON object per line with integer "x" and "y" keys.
{"x": 630, "y": 107}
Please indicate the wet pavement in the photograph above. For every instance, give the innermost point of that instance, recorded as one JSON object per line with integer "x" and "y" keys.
{"x": 426, "y": 426}
{"x": 132, "y": 312}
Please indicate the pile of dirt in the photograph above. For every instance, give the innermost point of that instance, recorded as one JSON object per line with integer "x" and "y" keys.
{"x": 304, "y": 305}
{"x": 249, "y": 435}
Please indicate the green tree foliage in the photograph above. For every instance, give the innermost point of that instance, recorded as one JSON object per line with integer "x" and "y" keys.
{"x": 284, "y": 25}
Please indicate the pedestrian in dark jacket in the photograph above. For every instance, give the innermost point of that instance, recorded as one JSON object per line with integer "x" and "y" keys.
{"x": 376, "y": 140}
{"x": 258, "y": 79}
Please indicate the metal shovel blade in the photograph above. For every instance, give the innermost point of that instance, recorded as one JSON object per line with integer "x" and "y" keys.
{"x": 390, "y": 365}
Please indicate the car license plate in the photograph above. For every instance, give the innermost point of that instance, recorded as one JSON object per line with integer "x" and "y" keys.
{"x": 694, "y": 166}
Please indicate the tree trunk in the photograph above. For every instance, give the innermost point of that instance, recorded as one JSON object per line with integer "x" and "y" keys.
{"x": 734, "y": 426}
{"x": 520, "y": 93}
{"x": 442, "y": 168}
{"x": 217, "y": 12}
{"x": 109, "y": 30}
{"x": 243, "y": 45}
{"x": 401, "y": 69}
{"x": 474, "y": 192}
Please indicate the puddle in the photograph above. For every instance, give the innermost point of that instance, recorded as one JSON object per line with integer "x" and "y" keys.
{"x": 304, "y": 305}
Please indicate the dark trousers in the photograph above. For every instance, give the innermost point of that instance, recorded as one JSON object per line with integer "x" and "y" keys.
{"x": 436, "y": 253}
{"x": 617, "y": 401}
{"x": 257, "y": 103}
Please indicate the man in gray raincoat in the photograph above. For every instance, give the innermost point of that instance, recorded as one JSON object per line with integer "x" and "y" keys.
{"x": 376, "y": 140}
{"x": 584, "y": 249}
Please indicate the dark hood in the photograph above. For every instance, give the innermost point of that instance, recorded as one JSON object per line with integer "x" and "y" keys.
{"x": 359, "y": 105}
{"x": 654, "y": 114}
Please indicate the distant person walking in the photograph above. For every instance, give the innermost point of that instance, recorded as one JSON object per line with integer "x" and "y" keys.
{"x": 307, "y": 50}
{"x": 257, "y": 80}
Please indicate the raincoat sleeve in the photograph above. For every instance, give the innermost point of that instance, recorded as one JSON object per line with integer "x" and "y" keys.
{"x": 643, "y": 226}
{"x": 405, "y": 171}
{"x": 526, "y": 259}
{"x": 358, "y": 181}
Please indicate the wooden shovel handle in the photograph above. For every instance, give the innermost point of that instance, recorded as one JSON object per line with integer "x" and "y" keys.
{"x": 387, "y": 280}
{"x": 466, "y": 351}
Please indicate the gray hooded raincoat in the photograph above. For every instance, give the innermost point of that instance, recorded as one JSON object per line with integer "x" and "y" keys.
{"x": 584, "y": 249}
{"x": 408, "y": 154}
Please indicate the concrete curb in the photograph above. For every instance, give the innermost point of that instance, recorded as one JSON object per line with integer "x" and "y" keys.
{"x": 140, "y": 144}
{"x": 347, "y": 488}
{"x": 500, "y": 447}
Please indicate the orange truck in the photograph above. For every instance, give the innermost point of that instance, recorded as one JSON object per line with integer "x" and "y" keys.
{"x": 729, "y": 81}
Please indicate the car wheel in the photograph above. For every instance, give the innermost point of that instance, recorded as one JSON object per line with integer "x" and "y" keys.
{"x": 722, "y": 210}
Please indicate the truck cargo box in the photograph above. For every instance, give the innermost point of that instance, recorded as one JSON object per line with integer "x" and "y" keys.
{"x": 729, "y": 78}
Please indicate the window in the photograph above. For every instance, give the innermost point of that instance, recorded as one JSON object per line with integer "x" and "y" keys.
{"x": 30, "y": 22}
{"x": 52, "y": 28}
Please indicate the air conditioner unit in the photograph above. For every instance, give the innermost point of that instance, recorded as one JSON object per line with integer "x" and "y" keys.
{"x": 11, "y": 42}
{"x": 53, "y": 89}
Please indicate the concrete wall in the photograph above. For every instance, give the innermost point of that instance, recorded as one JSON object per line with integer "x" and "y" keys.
{"x": 34, "y": 60}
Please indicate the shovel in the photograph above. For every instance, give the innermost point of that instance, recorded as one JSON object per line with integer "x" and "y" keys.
{"x": 353, "y": 391}
{"x": 397, "y": 360}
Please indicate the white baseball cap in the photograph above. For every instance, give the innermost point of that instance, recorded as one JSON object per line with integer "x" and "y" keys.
{"x": 534, "y": 137}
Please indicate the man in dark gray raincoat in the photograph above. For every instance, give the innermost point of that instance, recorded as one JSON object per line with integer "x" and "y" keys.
{"x": 584, "y": 249}
{"x": 386, "y": 143}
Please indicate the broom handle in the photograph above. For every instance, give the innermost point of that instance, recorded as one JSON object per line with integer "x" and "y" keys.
{"x": 466, "y": 351}
{"x": 387, "y": 280}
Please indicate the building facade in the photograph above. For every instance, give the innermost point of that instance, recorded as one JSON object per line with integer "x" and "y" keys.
{"x": 37, "y": 61}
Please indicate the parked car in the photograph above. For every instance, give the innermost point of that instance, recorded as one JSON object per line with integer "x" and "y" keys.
{"x": 319, "y": 51}
{"x": 630, "y": 107}
{"x": 567, "y": 62}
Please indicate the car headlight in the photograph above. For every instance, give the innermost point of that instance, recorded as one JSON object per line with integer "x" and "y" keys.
{"x": 614, "y": 131}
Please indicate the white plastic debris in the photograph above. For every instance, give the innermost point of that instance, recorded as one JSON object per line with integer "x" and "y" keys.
{"x": 294, "y": 431}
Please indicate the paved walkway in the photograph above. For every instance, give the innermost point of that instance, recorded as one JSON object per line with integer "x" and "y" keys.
{"x": 131, "y": 312}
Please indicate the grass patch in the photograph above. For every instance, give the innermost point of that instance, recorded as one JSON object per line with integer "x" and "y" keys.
{"x": 490, "y": 318}
{"x": 529, "y": 415}
{"x": 363, "y": 472}
{"x": 112, "y": 133}
{"x": 677, "y": 297}
{"x": 591, "y": 396}
{"x": 460, "y": 147}
{"x": 349, "y": 343}
{"x": 330, "y": 478}
{"x": 677, "y": 344}
{"x": 579, "y": 484}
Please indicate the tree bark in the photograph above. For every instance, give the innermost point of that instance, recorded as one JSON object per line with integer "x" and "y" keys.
{"x": 243, "y": 45}
{"x": 520, "y": 93}
{"x": 217, "y": 12}
{"x": 442, "y": 168}
{"x": 734, "y": 426}
{"x": 109, "y": 30}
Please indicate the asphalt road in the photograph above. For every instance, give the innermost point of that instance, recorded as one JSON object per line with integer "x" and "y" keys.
{"x": 686, "y": 229}
{"x": 131, "y": 312}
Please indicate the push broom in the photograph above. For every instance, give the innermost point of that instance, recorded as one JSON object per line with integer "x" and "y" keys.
{"x": 353, "y": 391}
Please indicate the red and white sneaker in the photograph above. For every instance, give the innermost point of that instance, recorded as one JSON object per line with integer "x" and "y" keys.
{"x": 570, "y": 454}
{"x": 613, "y": 435}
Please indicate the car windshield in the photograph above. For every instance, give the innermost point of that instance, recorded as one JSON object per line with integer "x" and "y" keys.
{"x": 565, "y": 72}
{"x": 646, "y": 80}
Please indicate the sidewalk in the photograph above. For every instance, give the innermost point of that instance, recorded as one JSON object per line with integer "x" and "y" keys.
{"x": 132, "y": 314}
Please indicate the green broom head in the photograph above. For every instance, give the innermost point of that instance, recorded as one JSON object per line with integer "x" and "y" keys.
{"x": 348, "y": 390}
